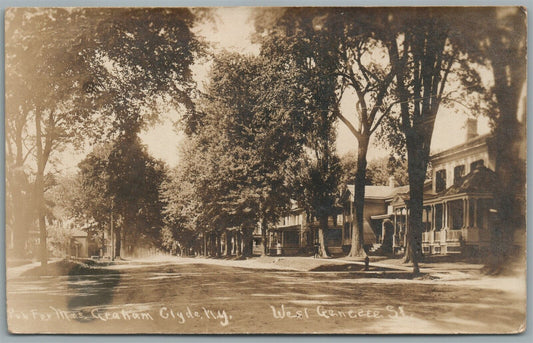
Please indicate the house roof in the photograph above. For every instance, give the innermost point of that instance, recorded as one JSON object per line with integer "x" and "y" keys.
{"x": 373, "y": 192}
{"x": 384, "y": 192}
{"x": 401, "y": 196}
{"x": 480, "y": 180}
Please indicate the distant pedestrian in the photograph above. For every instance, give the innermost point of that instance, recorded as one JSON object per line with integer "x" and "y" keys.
{"x": 317, "y": 249}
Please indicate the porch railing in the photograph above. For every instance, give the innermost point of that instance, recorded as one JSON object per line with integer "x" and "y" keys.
{"x": 428, "y": 236}
{"x": 453, "y": 235}
{"x": 471, "y": 235}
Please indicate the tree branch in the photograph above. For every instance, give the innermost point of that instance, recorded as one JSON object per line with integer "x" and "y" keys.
{"x": 352, "y": 129}
{"x": 385, "y": 114}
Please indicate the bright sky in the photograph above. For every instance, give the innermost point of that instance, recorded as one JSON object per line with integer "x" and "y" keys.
{"x": 232, "y": 32}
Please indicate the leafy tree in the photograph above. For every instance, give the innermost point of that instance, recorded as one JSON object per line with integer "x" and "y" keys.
{"x": 340, "y": 44}
{"x": 378, "y": 171}
{"x": 185, "y": 219}
{"x": 64, "y": 202}
{"x": 499, "y": 41}
{"x": 247, "y": 137}
{"x": 316, "y": 188}
{"x": 95, "y": 201}
{"x": 425, "y": 47}
{"x": 75, "y": 72}
{"x": 124, "y": 180}
{"x": 44, "y": 64}
{"x": 382, "y": 169}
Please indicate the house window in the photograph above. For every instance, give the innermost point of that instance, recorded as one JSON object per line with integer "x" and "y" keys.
{"x": 476, "y": 164}
{"x": 458, "y": 173}
{"x": 440, "y": 180}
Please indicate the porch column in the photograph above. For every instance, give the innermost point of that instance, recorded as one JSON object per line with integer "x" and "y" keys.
{"x": 407, "y": 213}
{"x": 448, "y": 217}
{"x": 433, "y": 217}
{"x": 444, "y": 214}
{"x": 475, "y": 212}
{"x": 465, "y": 213}
{"x": 395, "y": 213}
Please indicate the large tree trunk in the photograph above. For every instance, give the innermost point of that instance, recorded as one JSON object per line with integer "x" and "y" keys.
{"x": 121, "y": 233}
{"x": 218, "y": 235}
{"x": 264, "y": 228}
{"x": 247, "y": 242}
{"x": 509, "y": 196}
{"x": 227, "y": 243}
{"x": 509, "y": 70}
{"x": 238, "y": 243}
{"x": 22, "y": 211}
{"x": 118, "y": 241}
{"x": 211, "y": 245}
{"x": 323, "y": 227}
{"x": 42, "y": 232}
{"x": 417, "y": 166}
{"x": 357, "y": 249}
{"x": 39, "y": 190}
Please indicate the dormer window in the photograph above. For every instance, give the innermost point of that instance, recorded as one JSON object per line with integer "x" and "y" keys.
{"x": 458, "y": 173}
{"x": 440, "y": 180}
{"x": 476, "y": 164}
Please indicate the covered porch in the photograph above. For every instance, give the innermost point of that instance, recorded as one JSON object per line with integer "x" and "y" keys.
{"x": 457, "y": 220}
{"x": 288, "y": 240}
{"x": 455, "y": 223}
{"x": 460, "y": 218}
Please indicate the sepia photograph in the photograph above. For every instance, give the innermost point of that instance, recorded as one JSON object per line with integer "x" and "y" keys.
{"x": 265, "y": 170}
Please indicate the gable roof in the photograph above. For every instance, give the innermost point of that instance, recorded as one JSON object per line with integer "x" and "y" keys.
{"x": 480, "y": 180}
{"x": 376, "y": 192}
{"x": 371, "y": 192}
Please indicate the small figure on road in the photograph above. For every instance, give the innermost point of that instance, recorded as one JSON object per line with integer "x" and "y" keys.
{"x": 317, "y": 249}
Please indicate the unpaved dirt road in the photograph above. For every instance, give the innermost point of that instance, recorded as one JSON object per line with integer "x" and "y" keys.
{"x": 187, "y": 297}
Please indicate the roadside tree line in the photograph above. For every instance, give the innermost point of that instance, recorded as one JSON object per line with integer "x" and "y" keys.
{"x": 88, "y": 76}
{"x": 262, "y": 132}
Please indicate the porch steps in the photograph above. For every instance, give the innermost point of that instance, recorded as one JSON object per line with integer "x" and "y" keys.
{"x": 375, "y": 247}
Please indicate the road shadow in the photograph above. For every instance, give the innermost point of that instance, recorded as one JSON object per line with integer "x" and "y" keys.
{"x": 89, "y": 285}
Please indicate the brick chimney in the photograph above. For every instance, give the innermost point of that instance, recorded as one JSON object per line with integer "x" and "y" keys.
{"x": 471, "y": 128}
